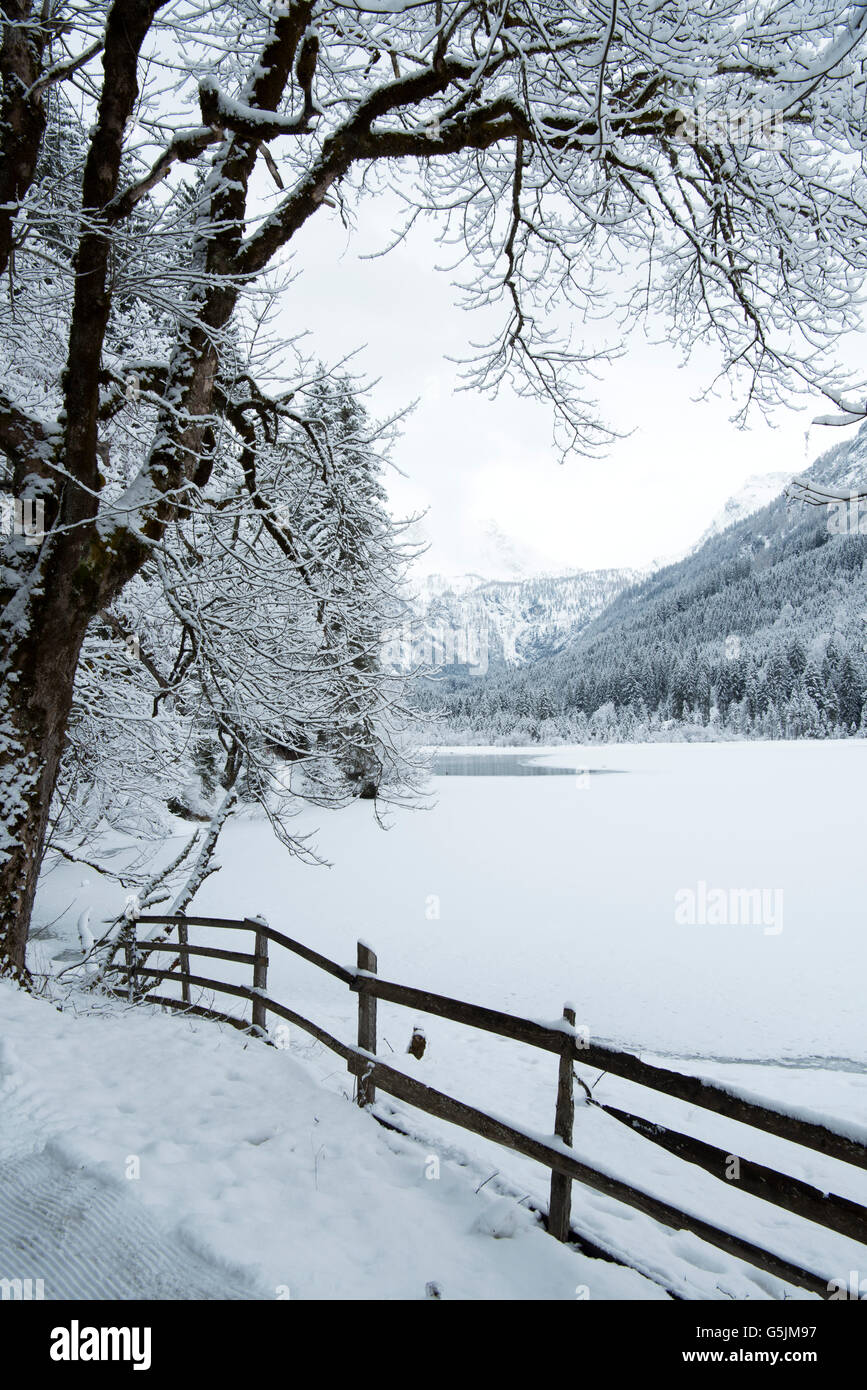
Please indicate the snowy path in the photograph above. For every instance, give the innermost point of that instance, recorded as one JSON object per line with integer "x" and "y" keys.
{"x": 89, "y": 1240}
{"x": 83, "y": 1235}
{"x": 145, "y": 1155}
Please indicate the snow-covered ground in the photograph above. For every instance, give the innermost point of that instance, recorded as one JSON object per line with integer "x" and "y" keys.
{"x": 524, "y": 893}
{"x": 144, "y": 1156}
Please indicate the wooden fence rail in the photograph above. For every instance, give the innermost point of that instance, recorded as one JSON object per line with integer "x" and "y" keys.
{"x": 562, "y": 1038}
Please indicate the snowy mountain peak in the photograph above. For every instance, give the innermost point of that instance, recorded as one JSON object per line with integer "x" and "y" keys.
{"x": 518, "y": 620}
{"x": 518, "y": 617}
{"x": 756, "y": 493}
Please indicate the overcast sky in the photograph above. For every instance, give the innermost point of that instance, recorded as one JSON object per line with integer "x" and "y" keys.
{"x": 479, "y": 467}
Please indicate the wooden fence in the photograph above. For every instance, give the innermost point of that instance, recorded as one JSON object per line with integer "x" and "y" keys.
{"x": 835, "y": 1213}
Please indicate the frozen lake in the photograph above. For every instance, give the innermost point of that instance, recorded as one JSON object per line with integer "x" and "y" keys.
{"x": 493, "y": 763}
{"x": 523, "y": 892}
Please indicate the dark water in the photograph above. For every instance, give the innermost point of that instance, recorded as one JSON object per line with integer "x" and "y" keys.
{"x": 501, "y": 765}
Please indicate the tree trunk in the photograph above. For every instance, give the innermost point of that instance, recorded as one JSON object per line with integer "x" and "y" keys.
{"x": 40, "y": 659}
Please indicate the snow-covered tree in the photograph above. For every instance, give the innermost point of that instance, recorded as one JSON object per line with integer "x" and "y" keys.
{"x": 699, "y": 158}
{"x": 249, "y": 648}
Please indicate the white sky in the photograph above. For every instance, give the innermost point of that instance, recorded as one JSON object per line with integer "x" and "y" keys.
{"x": 473, "y": 464}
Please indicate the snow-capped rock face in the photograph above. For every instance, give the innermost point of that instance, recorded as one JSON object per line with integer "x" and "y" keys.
{"x": 434, "y": 586}
{"x": 498, "y": 622}
{"x": 756, "y": 493}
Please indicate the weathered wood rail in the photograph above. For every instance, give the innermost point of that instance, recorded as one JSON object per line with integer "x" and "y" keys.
{"x": 792, "y": 1194}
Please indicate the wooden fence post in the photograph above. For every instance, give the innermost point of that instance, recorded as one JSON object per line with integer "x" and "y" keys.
{"x": 366, "y": 1092}
{"x": 260, "y": 978}
{"x": 560, "y": 1207}
{"x": 183, "y": 942}
{"x": 129, "y": 952}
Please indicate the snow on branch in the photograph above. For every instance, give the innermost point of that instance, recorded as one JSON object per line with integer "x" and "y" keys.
{"x": 225, "y": 113}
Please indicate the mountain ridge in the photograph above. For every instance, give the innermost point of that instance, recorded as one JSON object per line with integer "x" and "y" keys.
{"x": 520, "y": 619}
{"x": 760, "y": 632}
